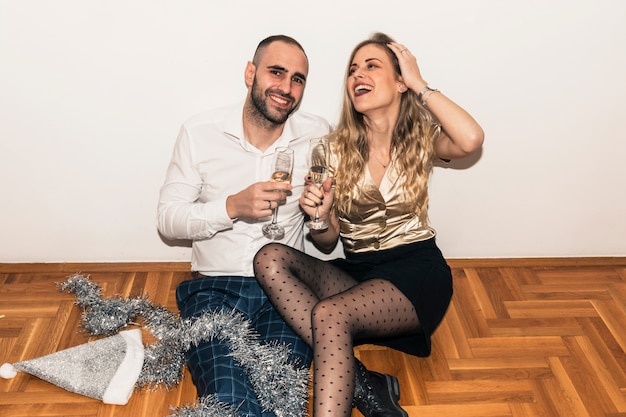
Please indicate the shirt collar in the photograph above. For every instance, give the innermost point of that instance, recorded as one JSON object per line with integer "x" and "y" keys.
{"x": 233, "y": 126}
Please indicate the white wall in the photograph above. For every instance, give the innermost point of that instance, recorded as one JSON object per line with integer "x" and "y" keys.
{"x": 92, "y": 94}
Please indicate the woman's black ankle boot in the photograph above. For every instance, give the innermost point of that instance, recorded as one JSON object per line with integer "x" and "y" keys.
{"x": 376, "y": 395}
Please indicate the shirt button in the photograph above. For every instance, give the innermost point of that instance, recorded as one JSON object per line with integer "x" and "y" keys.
{"x": 382, "y": 207}
{"x": 376, "y": 245}
{"x": 382, "y": 224}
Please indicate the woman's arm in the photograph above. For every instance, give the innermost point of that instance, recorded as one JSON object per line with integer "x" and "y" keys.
{"x": 461, "y": 134}
{"x": 326, "y": 240}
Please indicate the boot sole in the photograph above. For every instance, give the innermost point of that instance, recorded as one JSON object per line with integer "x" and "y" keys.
{"x": 393, "y": 388}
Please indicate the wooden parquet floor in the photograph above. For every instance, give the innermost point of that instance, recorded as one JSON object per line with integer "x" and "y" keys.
{"x": 522, "y": 338}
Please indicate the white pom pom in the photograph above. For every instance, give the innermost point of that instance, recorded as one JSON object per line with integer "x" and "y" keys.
{"x": 7, "y": 371}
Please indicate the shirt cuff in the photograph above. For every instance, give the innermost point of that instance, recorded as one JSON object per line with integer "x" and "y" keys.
{"x": 216, "y": 215}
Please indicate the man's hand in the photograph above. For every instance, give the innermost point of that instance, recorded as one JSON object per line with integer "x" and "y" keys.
{"x": 257, "y": 200}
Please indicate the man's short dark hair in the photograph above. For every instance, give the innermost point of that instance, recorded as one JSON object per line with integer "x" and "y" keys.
{"x": 275, "y": 38}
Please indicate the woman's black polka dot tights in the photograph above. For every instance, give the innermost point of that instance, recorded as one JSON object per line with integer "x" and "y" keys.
{"x": 328, "y": 309}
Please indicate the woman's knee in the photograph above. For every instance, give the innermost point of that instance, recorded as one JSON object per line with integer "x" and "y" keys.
{"x": 267, "y": 250}
{"x": 268, "y": 260}
{"x": 263, "y": 256}
{"x": 327, "y": 312}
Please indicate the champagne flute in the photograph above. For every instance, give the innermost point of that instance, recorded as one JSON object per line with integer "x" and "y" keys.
{"x": 318, "y": 170}
{"x": 281, "y": 172}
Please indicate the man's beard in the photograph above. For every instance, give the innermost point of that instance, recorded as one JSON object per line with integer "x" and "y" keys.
{"x": 262, "y": 112}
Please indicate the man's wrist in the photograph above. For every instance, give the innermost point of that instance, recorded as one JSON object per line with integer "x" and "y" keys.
{"x": 231, "y": 206}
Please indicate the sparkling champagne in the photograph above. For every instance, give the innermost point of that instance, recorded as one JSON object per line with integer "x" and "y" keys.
{"x": 281, "y": 176}
{"x": 318, "y": 174}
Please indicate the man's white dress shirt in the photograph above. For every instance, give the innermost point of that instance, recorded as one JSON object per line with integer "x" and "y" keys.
{"x": 212, "y": 160}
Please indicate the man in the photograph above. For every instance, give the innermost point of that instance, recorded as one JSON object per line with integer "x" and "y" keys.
{"x": 217, "y": 193}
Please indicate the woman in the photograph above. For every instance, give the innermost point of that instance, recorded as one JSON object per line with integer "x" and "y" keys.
{"x": 394, "y": 286}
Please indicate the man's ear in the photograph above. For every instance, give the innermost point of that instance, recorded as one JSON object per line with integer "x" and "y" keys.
{"x": 249, "y": 73}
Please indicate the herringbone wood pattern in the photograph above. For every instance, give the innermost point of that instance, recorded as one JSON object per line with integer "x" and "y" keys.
{"x": 522, "y": 338}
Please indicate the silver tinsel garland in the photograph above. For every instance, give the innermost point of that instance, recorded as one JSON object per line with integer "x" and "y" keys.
{"x": 207, "y": 406}
{"x": 280, "y": 384}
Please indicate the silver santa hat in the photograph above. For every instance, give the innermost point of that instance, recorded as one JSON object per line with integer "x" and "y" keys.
{"x": 106, "y": 369}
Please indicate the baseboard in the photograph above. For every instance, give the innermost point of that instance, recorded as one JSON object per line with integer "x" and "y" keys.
{"x": 537, "y": 262}
{"x": 72, "y": 267}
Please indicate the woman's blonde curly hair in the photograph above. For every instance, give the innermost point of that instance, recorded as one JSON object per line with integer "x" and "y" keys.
{"x": 412, "y": 144}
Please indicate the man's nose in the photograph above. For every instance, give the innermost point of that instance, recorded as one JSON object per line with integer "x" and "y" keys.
{"x": 285, "y": 85}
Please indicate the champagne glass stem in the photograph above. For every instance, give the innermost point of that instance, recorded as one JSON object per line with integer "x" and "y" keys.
{"x": 274, "y": 215}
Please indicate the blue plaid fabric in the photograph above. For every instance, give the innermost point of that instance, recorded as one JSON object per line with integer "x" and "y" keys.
{"x": 212, "y": 369}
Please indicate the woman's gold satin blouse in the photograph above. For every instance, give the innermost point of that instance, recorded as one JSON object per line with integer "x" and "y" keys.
{"x": 379, "y": 218}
